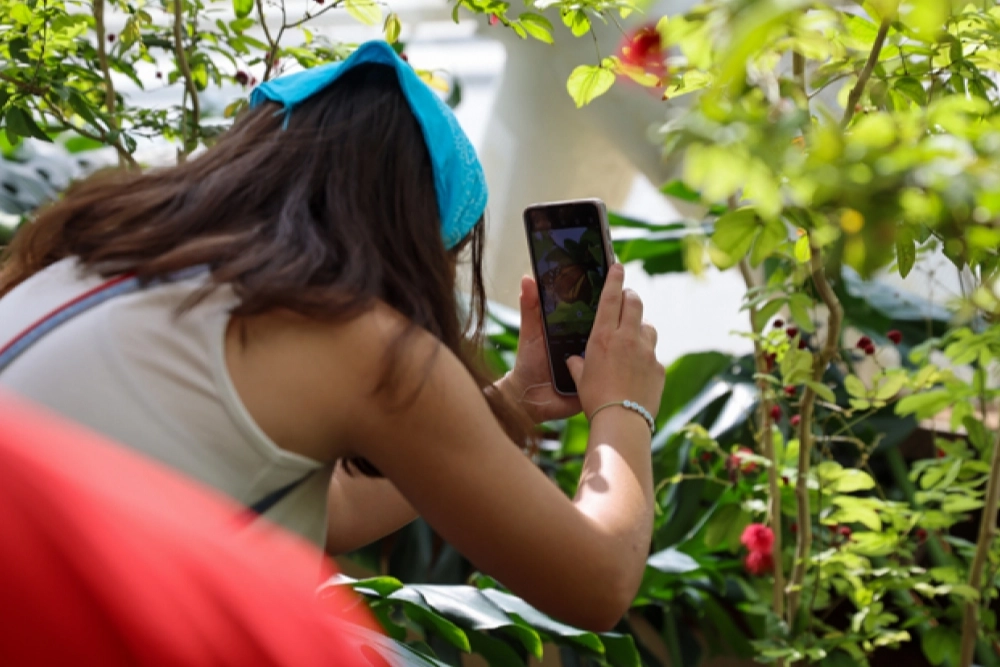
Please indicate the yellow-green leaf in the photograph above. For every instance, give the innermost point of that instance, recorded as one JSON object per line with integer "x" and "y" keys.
{"x": 20, "y": 13}
{"x": 734, "y": 232}
{"x": 537, "y": 26}
{"x": 365, "y": 11}
{"x": 803, "y": 253}
{"x": 392, "y": 28}
{"x": 822, "y": 391}
{"x": 855, "y": 387}
{"x": 772, "y": 236}
{"x": 242, "y": 8}
{"x": 588, "y": 82}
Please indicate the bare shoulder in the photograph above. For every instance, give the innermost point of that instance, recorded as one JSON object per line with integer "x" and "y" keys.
{"x": 303, "y": 379}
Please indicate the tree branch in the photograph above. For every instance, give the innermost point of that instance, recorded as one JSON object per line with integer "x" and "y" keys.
{"x": 866, "y": 73}
{"x": 807, "y": 405}
{"x": 987, "y": 533}
{"x": 26, "y": 86}
{"x": 188, "y": 142}
{"x": 766, "y": 439}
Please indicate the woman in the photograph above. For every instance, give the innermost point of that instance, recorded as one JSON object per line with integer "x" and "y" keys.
{"x": 298, "y": 309}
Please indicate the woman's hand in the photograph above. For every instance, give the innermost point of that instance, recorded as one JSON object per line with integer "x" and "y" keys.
{"x": 529, "y": 384}
{"x": 621, "y": 352}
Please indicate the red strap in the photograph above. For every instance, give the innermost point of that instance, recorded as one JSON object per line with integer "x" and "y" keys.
{"x": 69, "y": 304}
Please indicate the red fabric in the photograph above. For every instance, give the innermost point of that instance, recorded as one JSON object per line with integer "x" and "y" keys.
{"x": 107, "y": 558}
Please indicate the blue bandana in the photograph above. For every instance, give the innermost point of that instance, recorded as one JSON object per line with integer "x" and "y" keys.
{"x": 458, "y": 177}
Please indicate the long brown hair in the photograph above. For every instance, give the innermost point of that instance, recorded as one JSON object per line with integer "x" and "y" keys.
{"x": 324, "y": 218}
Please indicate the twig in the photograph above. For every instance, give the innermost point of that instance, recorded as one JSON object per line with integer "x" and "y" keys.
{"x": 188, "y": 142}
{"x": 26, "y": 86}
{"x": 866, "y": 73}
{"x": 100, "y": 136}
{"x": 987, "y": 533}
{"x": 820, "y": 362}
{"x": 767, "y": 442}
{"x": 109, "y": 86}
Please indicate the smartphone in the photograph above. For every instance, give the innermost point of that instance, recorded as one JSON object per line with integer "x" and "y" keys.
{"x": 571, "y": 253}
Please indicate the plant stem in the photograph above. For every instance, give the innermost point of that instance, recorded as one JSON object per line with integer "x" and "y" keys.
{"x": 188, "y": 141}
{"x": 866, "y": 73}
{"x": 799, "y": 71}
{"x": 109, "y": 87}
{"x": 767, "y": 444}
{"x": 987, "y": 533}
{"x": 822, "y": 359}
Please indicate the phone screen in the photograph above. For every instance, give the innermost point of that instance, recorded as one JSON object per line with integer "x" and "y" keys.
{"x": 569, "y": 253}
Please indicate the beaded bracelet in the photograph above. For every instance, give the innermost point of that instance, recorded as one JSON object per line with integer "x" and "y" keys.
{"x": 629, "y": 405}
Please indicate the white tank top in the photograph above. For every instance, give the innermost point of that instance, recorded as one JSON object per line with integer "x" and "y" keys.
{"x": 140, "y": 372}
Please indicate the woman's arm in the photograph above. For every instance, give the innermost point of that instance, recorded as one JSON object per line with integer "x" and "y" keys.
{"x": 361, "y": 510}
{"x": 581, "y": 559}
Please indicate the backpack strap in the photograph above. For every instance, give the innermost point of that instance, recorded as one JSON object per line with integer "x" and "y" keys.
{"x": 117, "y": 286}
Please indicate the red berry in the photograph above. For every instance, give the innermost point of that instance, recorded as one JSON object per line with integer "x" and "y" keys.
{"x": 776, "y": 412}
{"x": 320, "y": 2}
{"x": 706, "y": 457}
{"x": 844, "y": 532}
{"x": 803, "y": 344}
{"x": 795, "y": 420}
{"x": 785, "y": 480}
{"x": 864, "y": 342}
{"x": 792, "y": 332}
{"x": 921, "y": 535}
{"x": 759, "y": 562}
{"x": 940, "y": 453}
{"x": 778, "y": 324}
{"x": 111, "y": 37}
{"x": 769, "y": 361}
{"x": 895, "y": 335}
{"x": 159, "y": 75}
{"x": 404, "y": 57}
{"x": 494, "y": 19}
{"x": 869, "y": 350}
{"x": 795, "y": 527}
{"x": 242, "y": 78}
{"x": 790, "y": 391}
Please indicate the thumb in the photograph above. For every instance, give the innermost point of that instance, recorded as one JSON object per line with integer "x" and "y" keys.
{"x": 575, "y": 366}
{"x": 531, "y": 311}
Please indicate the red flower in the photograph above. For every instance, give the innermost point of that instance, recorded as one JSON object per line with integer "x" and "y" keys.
{"x": 737, "y": 461}
{"x": 895, "y": 335}
{"x": 494, "y": 19}
{"x": 776, "y": 412}
{"x": 795, "y": 420}
{"x": 758, "y": 537}
{"x": 759, "y": 563}
{"x": 644, "y": 49}
{"x": 790, "y": 391}
{"x": 921, "y": 535}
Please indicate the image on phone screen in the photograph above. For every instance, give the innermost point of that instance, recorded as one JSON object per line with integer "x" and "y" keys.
{"x": 570, "y": 265}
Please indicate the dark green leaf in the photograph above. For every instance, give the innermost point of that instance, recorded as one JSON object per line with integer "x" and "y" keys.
{"x": 22, "y": 124}
{"x": 679, "y": 190}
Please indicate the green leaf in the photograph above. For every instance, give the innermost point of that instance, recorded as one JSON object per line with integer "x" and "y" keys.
{"x": 873, "y": 544}
{"x": 889, "y": 386}
{"x": 796, "y": 366}
{"x": 912, "y": 88}
{"x": 853, "y": 480}
{"x": 22, "y": 124}
{"x": 577, "y": 21}
{"x": 368, "y": 12}
{"x": 855, "y": 387}
{"x": 799, "y": 305}
{"x": 588, "y": 82}
{"x": 956, "y": 504}
{"x": 678, "y": 190}
{"x": 734, "y": 232}
{"x": 561, "y": 633}
{"x": 924, "y": 405}
{"x": 392, "y": 28}
{"x": 242, "y": 8}
{"x": 767, "y": 311}
{"x": 822, "y": 391}
{"x": 906, "y": 251}
{"x": 941, "y": 643}
{"x": 672, "y": 561}
{"x": 20, "y": 13}
{"x": 726, "y": 526}
{"x": 537, "y": 26}
{"x": 772, "y": 236}
{"x": 803, "y": 253}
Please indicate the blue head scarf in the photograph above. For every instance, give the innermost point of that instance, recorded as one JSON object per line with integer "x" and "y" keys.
{"x": 458, "y": 177}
